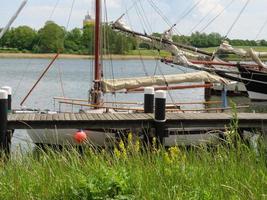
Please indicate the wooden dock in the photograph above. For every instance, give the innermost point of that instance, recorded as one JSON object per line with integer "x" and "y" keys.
{"x": 130, "y": 120}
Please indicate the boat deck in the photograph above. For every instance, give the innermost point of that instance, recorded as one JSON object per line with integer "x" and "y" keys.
{"x": 130, "y": 120}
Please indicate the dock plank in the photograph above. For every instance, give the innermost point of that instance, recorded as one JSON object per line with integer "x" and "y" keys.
{"x": 31, "y": 117}
{"x": 43, "y": 117}
{"x": 126, "y": 120}
{"x": 67, "y": 116}
{"x": 84, "y": 117}
{"x": 55, "y": 117}
{"x": 49, "y": 117}
{"x": 12, "y": 117}
{"x": 72, "y": 117}
{"x": 78, "y": 116}
{"x": 61, "y": 116}
{"x": 37, "y": 117}
{"x": 90, "y": 116}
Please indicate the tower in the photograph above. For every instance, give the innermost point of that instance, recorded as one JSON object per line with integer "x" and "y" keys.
{"x": 88, "y": 20}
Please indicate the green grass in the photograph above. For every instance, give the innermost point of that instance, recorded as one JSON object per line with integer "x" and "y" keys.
{"x": 256, "y": 48}
{"x": 225, "y": 172}
{"x": 146, "y": 52}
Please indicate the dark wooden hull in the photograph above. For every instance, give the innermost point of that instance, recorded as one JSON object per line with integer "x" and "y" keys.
{"x": 255, "y": 82}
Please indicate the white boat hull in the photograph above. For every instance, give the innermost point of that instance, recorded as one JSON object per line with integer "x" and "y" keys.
{"x": 254, "y": 96}
{"x": 66, "y": 137}
{"x": 98, "y": 138}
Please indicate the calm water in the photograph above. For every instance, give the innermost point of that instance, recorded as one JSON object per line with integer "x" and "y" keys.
{"x": 73, "y": 79}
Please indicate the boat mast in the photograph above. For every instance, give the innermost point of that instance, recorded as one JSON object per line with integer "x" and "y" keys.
{"x": 96, "y": 91}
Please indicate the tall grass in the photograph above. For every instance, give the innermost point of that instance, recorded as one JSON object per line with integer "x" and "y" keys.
{"x": 230, "y": 170}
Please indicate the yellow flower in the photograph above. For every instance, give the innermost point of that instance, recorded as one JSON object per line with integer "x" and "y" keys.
{"x": 130, "y": 138}
{"x": 117, "y": 153}
{"x": 174, "y": 152}
{"x": 123, "y": 149}
{"x": 167, "y": 158}
{"x": 137, "y": 146}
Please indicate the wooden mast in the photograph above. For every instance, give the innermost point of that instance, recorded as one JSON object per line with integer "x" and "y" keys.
{"x": 96, "y": 90}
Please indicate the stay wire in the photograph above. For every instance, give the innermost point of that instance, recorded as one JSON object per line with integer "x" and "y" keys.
{"x": 165, "y": 19}
{"x": 218, "y": 15}
{"x": 203, "y": 18}
{"x": 261, "y": 29}
{"x": 59, "y": 66}
{"x": 237, "y": 18}
{"x": 37, "y": 44}
{"x": 106, "y": 36}
{"x": 186, "y": 13}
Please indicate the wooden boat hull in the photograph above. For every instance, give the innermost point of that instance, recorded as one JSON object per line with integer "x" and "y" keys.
{"x": 255, "y": 82}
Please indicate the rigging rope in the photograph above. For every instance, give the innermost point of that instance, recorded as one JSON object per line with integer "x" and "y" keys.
{"x": 160, "y": 13}
{"x": 237, "y": 18}
{"x": 59, "y": 66}
{"x": 219, "y": 14}
{"x": 261, "y": 29}
{"x": 106, "y": 36}
{"x": 188, "y": 12}
{"x": 37, "y": 44}
{"x": 203, "y": 18}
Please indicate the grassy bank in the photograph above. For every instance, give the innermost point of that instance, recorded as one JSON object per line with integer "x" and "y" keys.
{"x": 72, "y": 56}
{"x": 133, "y": 54}
{"x": 225, "y": 172}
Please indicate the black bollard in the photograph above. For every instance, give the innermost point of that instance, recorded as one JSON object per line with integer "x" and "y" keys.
{"x": 4, "y": 146}
{"x": 148, "y": 108}
{"x": 9, "y": 92}
{"x": 149, "y": 100}
{"x": 9, "y": 133}
{"x": 160, "y": 107}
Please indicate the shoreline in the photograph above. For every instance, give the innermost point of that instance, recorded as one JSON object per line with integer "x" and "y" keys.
{"x": 73, "y": 56}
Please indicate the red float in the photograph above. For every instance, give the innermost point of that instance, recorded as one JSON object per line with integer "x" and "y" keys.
{"x": 80, "y": 136}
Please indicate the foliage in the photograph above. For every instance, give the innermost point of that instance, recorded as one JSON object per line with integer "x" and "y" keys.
{"x": 51, "y": 38}
{"x": 54, "y": 38}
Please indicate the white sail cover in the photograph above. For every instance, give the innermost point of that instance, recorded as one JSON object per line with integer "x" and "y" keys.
{"x": 113, "y": 85}
{"x": 178, "y": 54}
{"x": 254, "y": 55}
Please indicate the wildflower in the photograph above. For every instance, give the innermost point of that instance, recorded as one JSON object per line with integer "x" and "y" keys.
{"x": 166, "y": 158}
{"x": 117, "y": 153}
{"x": 174, "y": 152}
{"x": 130, "y": 138}
{"x": 123, "y": 149}
{"x": 137, "y": 146}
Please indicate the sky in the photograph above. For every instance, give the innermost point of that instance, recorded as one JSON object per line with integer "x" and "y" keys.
{"x": 149, "y": 15}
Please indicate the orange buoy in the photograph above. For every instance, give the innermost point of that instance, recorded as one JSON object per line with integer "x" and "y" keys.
{"x": 80, "y": 136}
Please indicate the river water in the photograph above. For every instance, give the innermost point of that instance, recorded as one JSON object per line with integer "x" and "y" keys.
{"x": 73, "y": 77}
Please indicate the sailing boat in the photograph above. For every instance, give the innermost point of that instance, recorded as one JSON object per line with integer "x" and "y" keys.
{"x": 253, "y": 76}
{"x": 101, "y": 85}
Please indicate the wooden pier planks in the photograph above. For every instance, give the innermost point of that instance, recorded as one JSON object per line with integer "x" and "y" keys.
{"x": 127, "y": 120}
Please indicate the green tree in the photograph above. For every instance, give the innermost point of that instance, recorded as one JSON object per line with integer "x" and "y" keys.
{"x": 73, "y": 41}
{"x": 87, "y": 39}
{"x": 6, "y": 39}
{"x": 22, "y": 38}
{"x": 51, "y": 38}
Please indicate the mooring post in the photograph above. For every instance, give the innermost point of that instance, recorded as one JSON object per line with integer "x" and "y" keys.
{"x": 9, "y": 133}
{"x": 4, "y": 145}
{"x": 224, "y": 98}
{"x": 148, "y": 108}
{"x": 160, "y": 119}
{"x": 9, "y": 99}
{"x": 149, "y": 100}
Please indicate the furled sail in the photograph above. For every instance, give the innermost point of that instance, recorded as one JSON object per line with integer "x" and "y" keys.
{"x": 254, "y": 55}
{"x": 179, "y": 56}
{"x": 113, "y": 85}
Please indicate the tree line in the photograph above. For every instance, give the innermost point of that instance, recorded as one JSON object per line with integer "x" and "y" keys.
{"x": 53, "y": 38}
